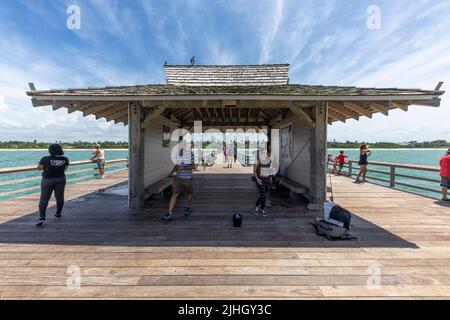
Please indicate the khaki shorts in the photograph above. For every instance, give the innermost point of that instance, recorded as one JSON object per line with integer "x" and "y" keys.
{"x": 179, "y": 185}
{"x": 445, "y": 182}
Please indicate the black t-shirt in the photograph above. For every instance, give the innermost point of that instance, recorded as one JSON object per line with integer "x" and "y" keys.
{"x": 54, "y": 166}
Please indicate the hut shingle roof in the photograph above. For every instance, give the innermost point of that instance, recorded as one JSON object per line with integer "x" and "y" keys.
{"x": 227, "y": 75}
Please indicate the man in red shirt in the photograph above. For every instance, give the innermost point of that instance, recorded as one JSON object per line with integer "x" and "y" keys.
{"x": 445, "y": 175}
{"x": 340, "y": 159}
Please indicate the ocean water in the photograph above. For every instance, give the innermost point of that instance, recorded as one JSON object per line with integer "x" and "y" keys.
{"x": 31, "y": 179}
{"x": 18, "y": 158}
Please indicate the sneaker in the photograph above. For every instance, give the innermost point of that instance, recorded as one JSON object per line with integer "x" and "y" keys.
{"x": 445, "y": 199}
{"x": 262, "y": 213}
{"x": 167, "y": 217}
{"x": 268, "y": 204}
{"x": 256, "y": 211}
{"x": 40, "y": 223}
{"x": 58, "y": 216}
{"x": 187, "y": 211}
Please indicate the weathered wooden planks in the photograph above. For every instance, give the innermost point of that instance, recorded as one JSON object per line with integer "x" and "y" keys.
{"x": 125, "y": 253}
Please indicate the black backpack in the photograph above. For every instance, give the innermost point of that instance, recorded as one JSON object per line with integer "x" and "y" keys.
{"x": 337, "y": 227}
{"x": 340, "y": 214}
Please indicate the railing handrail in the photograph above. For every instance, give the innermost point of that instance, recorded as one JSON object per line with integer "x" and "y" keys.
{"x": 393, "y": 174}
{"x": 401, "y": 165}
{"x": 32, "y": 168}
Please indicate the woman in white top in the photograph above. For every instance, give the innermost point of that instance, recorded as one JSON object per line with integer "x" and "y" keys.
{"x": 99, "y": 157}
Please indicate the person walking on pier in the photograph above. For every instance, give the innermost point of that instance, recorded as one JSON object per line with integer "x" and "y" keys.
{"x": 182, "y": 181}
{"x": 445, "y": 175}
{"x": 364, "y": 153}
{"x": 229, "y": 156}
{"x": 53, "y": 169}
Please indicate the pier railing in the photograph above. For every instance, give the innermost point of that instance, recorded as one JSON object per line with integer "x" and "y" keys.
{"x": 423, "y": 180}
{"x": 78, "y": 171}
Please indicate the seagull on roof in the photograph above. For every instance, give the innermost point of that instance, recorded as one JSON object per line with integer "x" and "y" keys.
{"x": 193, "y": 61}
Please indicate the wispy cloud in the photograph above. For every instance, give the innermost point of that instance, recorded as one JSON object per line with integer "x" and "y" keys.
{"x": 326, "y": 42}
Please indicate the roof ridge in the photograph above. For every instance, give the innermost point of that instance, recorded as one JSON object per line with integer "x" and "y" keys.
{"x": 226, "y": 65}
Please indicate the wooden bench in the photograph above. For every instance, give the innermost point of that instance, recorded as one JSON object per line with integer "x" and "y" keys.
{"x": 158, "y": 188}
{"x": 294, "y": 187}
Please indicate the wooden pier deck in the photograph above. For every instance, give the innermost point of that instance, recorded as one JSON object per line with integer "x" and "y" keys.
{"x": 402, "y": 238}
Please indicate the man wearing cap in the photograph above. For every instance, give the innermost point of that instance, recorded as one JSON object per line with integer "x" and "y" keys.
{"x": 445, "y": 175}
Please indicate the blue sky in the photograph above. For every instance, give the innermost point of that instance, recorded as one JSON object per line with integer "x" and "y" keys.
{"x": 127, "y": 42}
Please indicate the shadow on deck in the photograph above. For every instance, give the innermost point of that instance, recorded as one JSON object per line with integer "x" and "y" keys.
{"x": 104, "y": 219}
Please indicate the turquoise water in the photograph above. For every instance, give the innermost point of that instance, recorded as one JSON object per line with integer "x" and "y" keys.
{"x": 408, "y": 156}
{"x": 19, "y": 158}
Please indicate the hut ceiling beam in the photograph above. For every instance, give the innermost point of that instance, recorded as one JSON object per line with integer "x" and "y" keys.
{"x": 398, "y": 105}
{"x": 95, "y": 109}
{"x": 380, "y": 108}
{"x": 155, "y": 113}
{"x": 174, "y": 119}
{"x": 117, "y": 114}
{"x": 335, "y": 115}
{"x": 358, "y": 109}
{"x": 277, "y": 119}
{"x": 338, "y": 107}
{"x": 60, "y": 104}
{"x": 108, "y": 111}
{"x": 302, "y": 115}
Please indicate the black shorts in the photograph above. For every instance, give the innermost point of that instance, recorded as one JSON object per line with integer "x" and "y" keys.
{"x": 445, "y": 182}
{"x": 363, "y": 163}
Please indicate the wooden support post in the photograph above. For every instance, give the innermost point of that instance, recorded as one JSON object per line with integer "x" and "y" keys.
{"x": 350, "y": 169}
{"x": 392, "y": 177}
{"x": 318, "y": 156}
{"x": 136, "y": 155}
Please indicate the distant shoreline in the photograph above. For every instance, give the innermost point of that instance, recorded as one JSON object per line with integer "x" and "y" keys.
{"x": 66, "y": 149}
{"x": 412, "y": 149}
{"x": 121, "y": 149}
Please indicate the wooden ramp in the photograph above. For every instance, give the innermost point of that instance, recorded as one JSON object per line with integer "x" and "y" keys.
{"x": 403, "y": 246}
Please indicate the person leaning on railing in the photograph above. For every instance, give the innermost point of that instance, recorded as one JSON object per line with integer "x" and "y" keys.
{"x": 99, "y": 158}
{"x": 53, "y": 169}
{"x": 445, "y": 175}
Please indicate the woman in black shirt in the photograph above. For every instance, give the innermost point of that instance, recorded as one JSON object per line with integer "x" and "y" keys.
{"x": 363, "y": 162}
{"x": 53, "y": 169}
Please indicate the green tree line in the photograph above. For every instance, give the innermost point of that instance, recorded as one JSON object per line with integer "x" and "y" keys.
{"x": 67, "y": 145}
{"x": 390, "y": 145}
{"x": 124, "y": 145}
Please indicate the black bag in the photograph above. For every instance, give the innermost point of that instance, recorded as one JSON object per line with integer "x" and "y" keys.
{"x": 237, "y": 220}
{"x": 336, "y": 226}
{"x": 340, "y": 214}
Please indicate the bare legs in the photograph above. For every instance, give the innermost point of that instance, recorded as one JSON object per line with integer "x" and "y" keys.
{"x": 444, "y": 193}
{"x": 362, "y": 172}
{"x": 173, "y": 201}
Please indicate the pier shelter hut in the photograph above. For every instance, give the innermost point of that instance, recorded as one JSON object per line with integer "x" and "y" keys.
{"x": 231, "y": 96}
